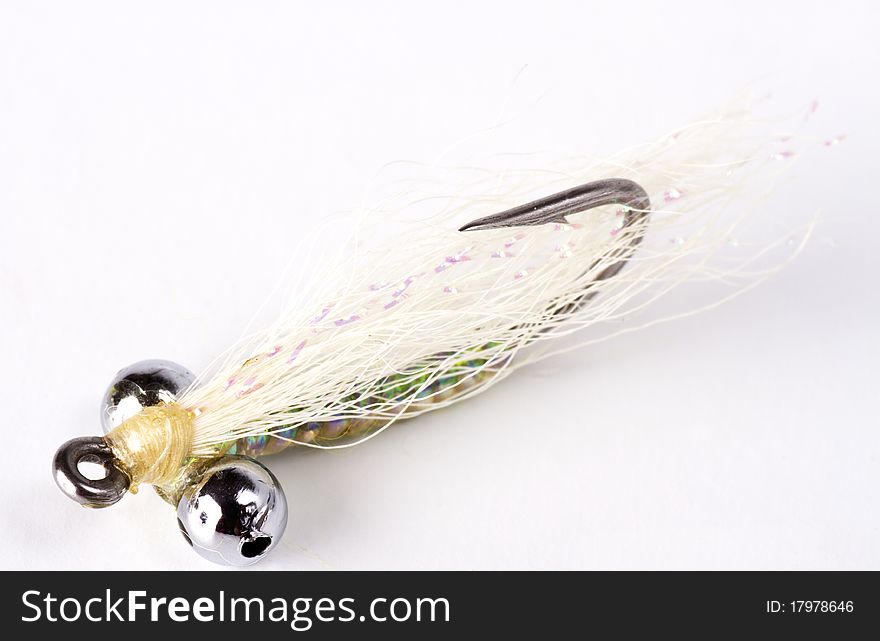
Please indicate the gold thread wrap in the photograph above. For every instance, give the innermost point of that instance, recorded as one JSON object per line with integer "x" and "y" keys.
{"x": 153, "y": 445}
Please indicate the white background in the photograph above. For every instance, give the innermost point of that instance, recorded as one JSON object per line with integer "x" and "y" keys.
{"x": 158, "y": 159}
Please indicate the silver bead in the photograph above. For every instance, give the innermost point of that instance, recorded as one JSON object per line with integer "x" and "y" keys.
{"x": 235, "y": 513}
{"x": 143, "y": 384}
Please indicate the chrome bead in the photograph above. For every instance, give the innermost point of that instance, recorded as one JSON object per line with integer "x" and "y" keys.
{"x": 235, "y": 513}
{"x": 141, "y": 385}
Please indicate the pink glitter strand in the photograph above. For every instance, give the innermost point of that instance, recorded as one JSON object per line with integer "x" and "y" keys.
{"x": 295, "y": 352}
{"x": 406, "y": 283}
{"x": 345, "y": 321}
{"x": 317, "y": 319}
{"x": 245, "y": 392}
{"x": 513, "y": 240}
{"x": 460, "y": 257}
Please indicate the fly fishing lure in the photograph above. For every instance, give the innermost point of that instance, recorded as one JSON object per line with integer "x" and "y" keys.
{"x": 433, "y": 320}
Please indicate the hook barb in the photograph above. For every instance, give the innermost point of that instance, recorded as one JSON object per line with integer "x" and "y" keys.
{"x": 555, "y": 208}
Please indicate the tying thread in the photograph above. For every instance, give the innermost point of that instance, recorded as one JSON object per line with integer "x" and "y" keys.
{"x": 152, "y": 445}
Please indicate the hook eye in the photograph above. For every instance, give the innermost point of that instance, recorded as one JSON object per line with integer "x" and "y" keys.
{"x": 88, "y": 492}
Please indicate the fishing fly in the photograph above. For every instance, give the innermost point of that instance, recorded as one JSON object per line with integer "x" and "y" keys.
{"x": 452, "y": 313}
